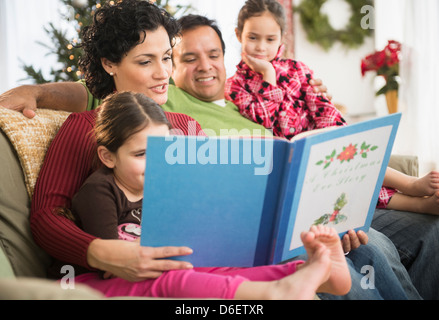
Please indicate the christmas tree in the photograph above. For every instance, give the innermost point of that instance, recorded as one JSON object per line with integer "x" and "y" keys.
{"x": 80, "y": 13}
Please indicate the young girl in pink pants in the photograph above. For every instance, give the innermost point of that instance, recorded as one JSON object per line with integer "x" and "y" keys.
{"x": 109, "y": 203}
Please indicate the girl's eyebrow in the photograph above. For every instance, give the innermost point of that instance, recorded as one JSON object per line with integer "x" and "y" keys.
{"x": 251, "y": 33}
{"x": 138, "y": 151}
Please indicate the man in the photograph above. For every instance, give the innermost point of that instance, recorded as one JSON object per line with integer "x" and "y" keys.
{"x": 199, "y": 75}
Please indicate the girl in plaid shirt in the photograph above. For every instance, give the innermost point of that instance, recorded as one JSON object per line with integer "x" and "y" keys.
{"x": 276, "y": 93}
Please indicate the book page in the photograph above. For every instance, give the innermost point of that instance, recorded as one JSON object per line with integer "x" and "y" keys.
{"x": 339, "y": 182}
{"x": 311, "y": 132}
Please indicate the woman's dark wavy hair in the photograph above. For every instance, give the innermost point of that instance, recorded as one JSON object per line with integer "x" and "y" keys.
{"x": 115, "y": 30}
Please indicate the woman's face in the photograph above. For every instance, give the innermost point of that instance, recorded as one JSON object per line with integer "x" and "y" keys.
{"x": 146, "y": 68}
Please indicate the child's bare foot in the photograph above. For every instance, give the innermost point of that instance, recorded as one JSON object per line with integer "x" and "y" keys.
{"x": 430, "y": 204}
{"x": 339, "y": 281}
{"x": 309, "y": 277}
{"x": 425, "y": 186}
{"x": 300, "y": 285}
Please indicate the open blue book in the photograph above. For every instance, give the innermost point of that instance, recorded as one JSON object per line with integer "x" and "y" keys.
{"x": 245, "y": 201}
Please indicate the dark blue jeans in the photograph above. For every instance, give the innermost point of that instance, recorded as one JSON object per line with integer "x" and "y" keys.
{"x": 376, "y": 271}
{"x": 372, "y": 275}
{"x": 416, "y": 237}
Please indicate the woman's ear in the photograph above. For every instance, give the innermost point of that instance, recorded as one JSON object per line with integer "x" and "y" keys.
{"x": 106, "y": 157}
{"x": 108, "y": 66}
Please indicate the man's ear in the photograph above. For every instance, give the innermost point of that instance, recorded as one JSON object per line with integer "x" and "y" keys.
{"x": 106, "y": 157}
{"x": 108, "y": 66}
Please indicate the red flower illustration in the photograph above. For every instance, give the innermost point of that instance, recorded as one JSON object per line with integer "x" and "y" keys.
{"x": 348, "y": 153}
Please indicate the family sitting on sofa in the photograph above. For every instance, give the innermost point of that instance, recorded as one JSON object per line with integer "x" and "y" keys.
{"x": 404, "y": 264}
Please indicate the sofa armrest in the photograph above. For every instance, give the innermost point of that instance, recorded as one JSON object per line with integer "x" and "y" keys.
{"x": 16, "y": 241}
{"x": 5, "y": 266}
{"x": 405, "y": 164}
{"x": 40, "y": 289}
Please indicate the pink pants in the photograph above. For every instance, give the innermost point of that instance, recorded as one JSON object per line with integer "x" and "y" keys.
{"x": 384, "y": 197}
{"x": 220, "y": 283}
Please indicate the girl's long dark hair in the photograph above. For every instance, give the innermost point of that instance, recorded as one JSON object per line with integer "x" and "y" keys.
{"x": 123, "y": 114}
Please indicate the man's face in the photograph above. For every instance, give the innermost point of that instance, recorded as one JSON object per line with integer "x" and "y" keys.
{"x": 199, "y": 64}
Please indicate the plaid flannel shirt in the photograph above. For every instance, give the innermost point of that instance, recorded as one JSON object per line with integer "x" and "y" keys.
{"x": 288, "y": 108}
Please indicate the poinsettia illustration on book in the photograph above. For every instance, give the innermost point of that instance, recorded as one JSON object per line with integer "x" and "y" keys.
{"x": 335, "y": 217}
{"x": 347, "y": 154}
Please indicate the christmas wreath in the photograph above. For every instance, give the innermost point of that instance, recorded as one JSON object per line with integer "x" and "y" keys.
{"x": 319, "y": 30}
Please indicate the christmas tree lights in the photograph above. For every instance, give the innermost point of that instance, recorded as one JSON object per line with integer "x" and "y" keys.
{"x": 80, "y": 14}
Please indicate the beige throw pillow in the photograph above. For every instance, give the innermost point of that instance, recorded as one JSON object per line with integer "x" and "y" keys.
{"x": 31, "y": 138}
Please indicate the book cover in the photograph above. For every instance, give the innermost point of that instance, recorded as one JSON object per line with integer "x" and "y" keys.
{"x": 245, "y": 201}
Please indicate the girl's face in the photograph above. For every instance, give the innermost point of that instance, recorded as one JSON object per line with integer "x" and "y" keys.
{"x": 146, "y": 68}
{"x": 261, "y": 37}
{"x": 130, "y": 159}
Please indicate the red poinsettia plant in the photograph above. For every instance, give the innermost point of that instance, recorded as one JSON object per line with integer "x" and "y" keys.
{"x": 385, "y": 63}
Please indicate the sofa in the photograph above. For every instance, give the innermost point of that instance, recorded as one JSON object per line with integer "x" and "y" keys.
{"x": 23, "y": 265}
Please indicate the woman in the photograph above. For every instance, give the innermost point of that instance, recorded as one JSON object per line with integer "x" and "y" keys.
{"x": 121, "y": 53}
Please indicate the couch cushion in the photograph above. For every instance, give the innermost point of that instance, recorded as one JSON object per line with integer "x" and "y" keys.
{"x": 405, "y": 164}
{"x": 23, "y": 144}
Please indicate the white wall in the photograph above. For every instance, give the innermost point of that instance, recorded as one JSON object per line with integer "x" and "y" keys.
{"x": 21, "y": 26}
{"x": 339, "y": 68}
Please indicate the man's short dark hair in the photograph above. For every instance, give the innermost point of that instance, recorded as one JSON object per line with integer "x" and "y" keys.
{"x": 192, "y": 21}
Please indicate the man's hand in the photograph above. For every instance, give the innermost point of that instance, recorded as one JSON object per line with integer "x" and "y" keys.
{"x": 319, "y": 87}
{"x": 22, "y": 99}
{"x": 66, "y": 96}
{"x": 352, "y": 240}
